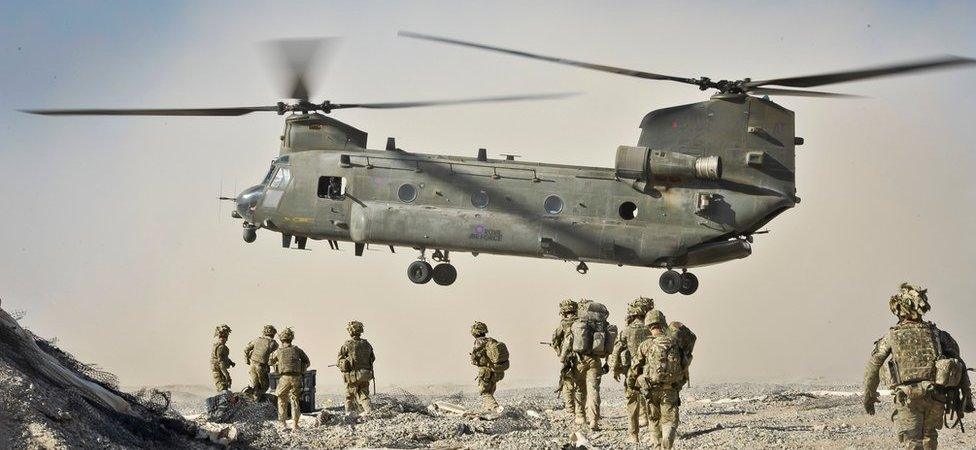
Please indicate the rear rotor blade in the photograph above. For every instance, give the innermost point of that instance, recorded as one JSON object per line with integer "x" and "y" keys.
{"x": 873, "y": 72}
{"x": 227, "y": 112}
{"x": 300, "y": 61}
{"x": 569, "y": 62}
{"x": 798, "y": 93}
{"x": 509, "y": 98}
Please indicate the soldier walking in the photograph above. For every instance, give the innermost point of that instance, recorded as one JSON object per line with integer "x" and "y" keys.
{"x": 220, "y": 359}
{"x": 491, "y": 358}
{"x": 928, "y": 376}
{"x": 355, "y": 361}
{"x": 256, "y": 354}
{"x": 573, "y": 399}
{"x": 659, "y": 373}
{"x": 624, "y": 352}
{"x": 587, "y": 367}
{"x": 290, "y": 362}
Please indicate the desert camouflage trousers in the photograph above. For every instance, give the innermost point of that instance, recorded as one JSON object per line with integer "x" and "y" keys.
{"x": 573, "y": 398}
{"x": 662, "y": 415}
{"x": 260, "y": 374}
{"x": 221, "y": 376}
{"x": 487, "y": 383}
{"x": 636, "y": 410}
{"x": 289, "y": 390}
{"x": 918, "y": 416}
{"x": 587, "y": 383}
{"x": 357, "y": 391}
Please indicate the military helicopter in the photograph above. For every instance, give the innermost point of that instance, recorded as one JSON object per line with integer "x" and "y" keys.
{"x": 703, "y": 179}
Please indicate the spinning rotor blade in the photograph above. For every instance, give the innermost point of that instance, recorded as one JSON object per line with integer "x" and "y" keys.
{"x": 569, "y": 62}
{"x": 297, "y": 59}
{"x": 227, "y": 112}
{"x": 872, "y": 72}
{"x": 452, "y": 102}
{"x": 798, "y": 93}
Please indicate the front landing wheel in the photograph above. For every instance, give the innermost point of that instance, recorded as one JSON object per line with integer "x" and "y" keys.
{"x": 419, "y": 272}
{"x": 670, "y": 282}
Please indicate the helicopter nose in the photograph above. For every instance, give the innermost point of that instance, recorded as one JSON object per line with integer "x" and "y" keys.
{"x": 248, "y": 200}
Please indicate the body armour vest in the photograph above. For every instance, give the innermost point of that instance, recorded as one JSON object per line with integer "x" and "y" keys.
{"x": 634, "y": 335}
{"x": 289, "y": 361}
{"x": 360, "y": 354}
{"x": 261, "y": 350}
{"x": 913, "y": 352}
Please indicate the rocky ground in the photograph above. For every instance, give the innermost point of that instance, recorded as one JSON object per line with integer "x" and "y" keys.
{"x": 748, "y": 416}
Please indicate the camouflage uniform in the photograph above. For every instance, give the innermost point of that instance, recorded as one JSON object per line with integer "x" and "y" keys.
{"x": 487, "y": 377}
{"x": 624, "y": 350}
{"x": 355, "y": 361}
{"x": 256, "y": 354}
{"x": 663, "y": 399}
{"x": 573, "y": 398}
{"x": 913, "y": 346}
{"x": 220, "y": 359}
{"x": 290, "y": 362}
{"x": 586, "y": 371}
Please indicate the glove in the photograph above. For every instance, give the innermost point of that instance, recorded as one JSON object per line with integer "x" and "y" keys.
{"x": 616, "y": 376}
{"x": 606, "y": 368}
{"x": 870, "y": 398}
{"x": 232, "y": 364}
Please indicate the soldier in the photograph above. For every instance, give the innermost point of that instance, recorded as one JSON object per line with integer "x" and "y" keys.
{"x": 356, "y": 359}
{"x": 925, "y": 368}
{"x": 658, "y": 371}
{"x": 290, "y": 362}
{"x": 220, "y": 359}
{"x": 572, "y": 398}
{"x": 587, "y": 371}
{"x": 624, "y": 352}
{"x": 256, "y": 354}
{"x": 491, "y": 358}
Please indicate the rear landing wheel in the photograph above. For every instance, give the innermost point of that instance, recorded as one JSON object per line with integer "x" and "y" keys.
{"x": 419, "y": 272}
{"x": 689, "y": 283}
{"x": 444, "y": 274}
{"x": 670, "y": 282}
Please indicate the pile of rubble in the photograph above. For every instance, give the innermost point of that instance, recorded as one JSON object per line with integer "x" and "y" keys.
{"x": 48, "y": 399}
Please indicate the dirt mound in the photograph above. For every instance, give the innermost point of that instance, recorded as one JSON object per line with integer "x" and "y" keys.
{"x": 50, "y": 400}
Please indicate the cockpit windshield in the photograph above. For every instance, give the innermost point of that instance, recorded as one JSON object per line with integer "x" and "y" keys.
{"x": 267, "y": 177}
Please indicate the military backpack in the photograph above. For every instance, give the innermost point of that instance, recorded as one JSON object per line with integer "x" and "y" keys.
{"x": 497, "y": 353}
{"x": 916, "y": 355}
{"x": 663, "y": 363}
{"x": 593, "y": 335}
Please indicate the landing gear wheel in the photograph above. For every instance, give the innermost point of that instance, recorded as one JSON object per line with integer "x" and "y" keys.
{"x": 250, "y": 234}
{"x": 670, "y": 282}
{"x": 689, "y": 283}
{"x": 419, "y": 272}
{"x": 444, "y": 274}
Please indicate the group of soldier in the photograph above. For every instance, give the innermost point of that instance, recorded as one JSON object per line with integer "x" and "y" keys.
{"x": 928, "y": 378}
{"x": 355, "y": 362}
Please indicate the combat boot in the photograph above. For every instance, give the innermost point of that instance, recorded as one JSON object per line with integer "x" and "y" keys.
{"x": 580, "y": 418}
{"x": 594, "y": 425}
{"x": 633, "y": 438}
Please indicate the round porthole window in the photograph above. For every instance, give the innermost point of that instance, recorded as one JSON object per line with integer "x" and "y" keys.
{"x": 553, "y": 204}
{"x": 628, "y": 210}
{"x": 407, "y": 193}
{"x": 480, "y": 199}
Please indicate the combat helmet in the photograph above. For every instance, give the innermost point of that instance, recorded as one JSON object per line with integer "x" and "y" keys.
{"x": 269, "y": 331}
{"x": 286, "y": 335}
{"x": 640, "y": 306}
{"x": 568, "y": 306}
{"x": 479, "y": 329}
{"x": 222, "y": 331}
{"x": 911, "y": 302}
{"x": 355, "y": 328}
{"x": 655, "y": 317}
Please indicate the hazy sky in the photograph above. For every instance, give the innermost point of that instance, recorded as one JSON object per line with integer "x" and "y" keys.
{"x": 111, "y": 238}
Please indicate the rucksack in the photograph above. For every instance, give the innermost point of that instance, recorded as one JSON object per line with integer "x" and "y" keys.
{"x": 497, "y": 353}
{"x": 593, "y": 335}
{"x": 663, "y": 363}
{"x": 685, "y": 340}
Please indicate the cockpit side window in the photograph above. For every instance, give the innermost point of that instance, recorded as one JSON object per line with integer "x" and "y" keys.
{"x": 333, "y": 188}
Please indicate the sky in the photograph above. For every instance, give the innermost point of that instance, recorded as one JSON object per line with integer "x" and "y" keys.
{"x": 113, "y": 242}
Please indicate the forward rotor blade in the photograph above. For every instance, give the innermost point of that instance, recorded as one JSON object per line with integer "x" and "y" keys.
{"x": 872, "y": 72}
{"x": 510, "y": 98}
{"x": 299, "y": 61}
{"x": 227, "y": 112}
{"x": 568, "y": 62}
{"x": 798, "y": 93}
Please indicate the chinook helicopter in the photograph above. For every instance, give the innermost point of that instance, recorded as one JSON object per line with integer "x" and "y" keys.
{"x": 703, "y": 179}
